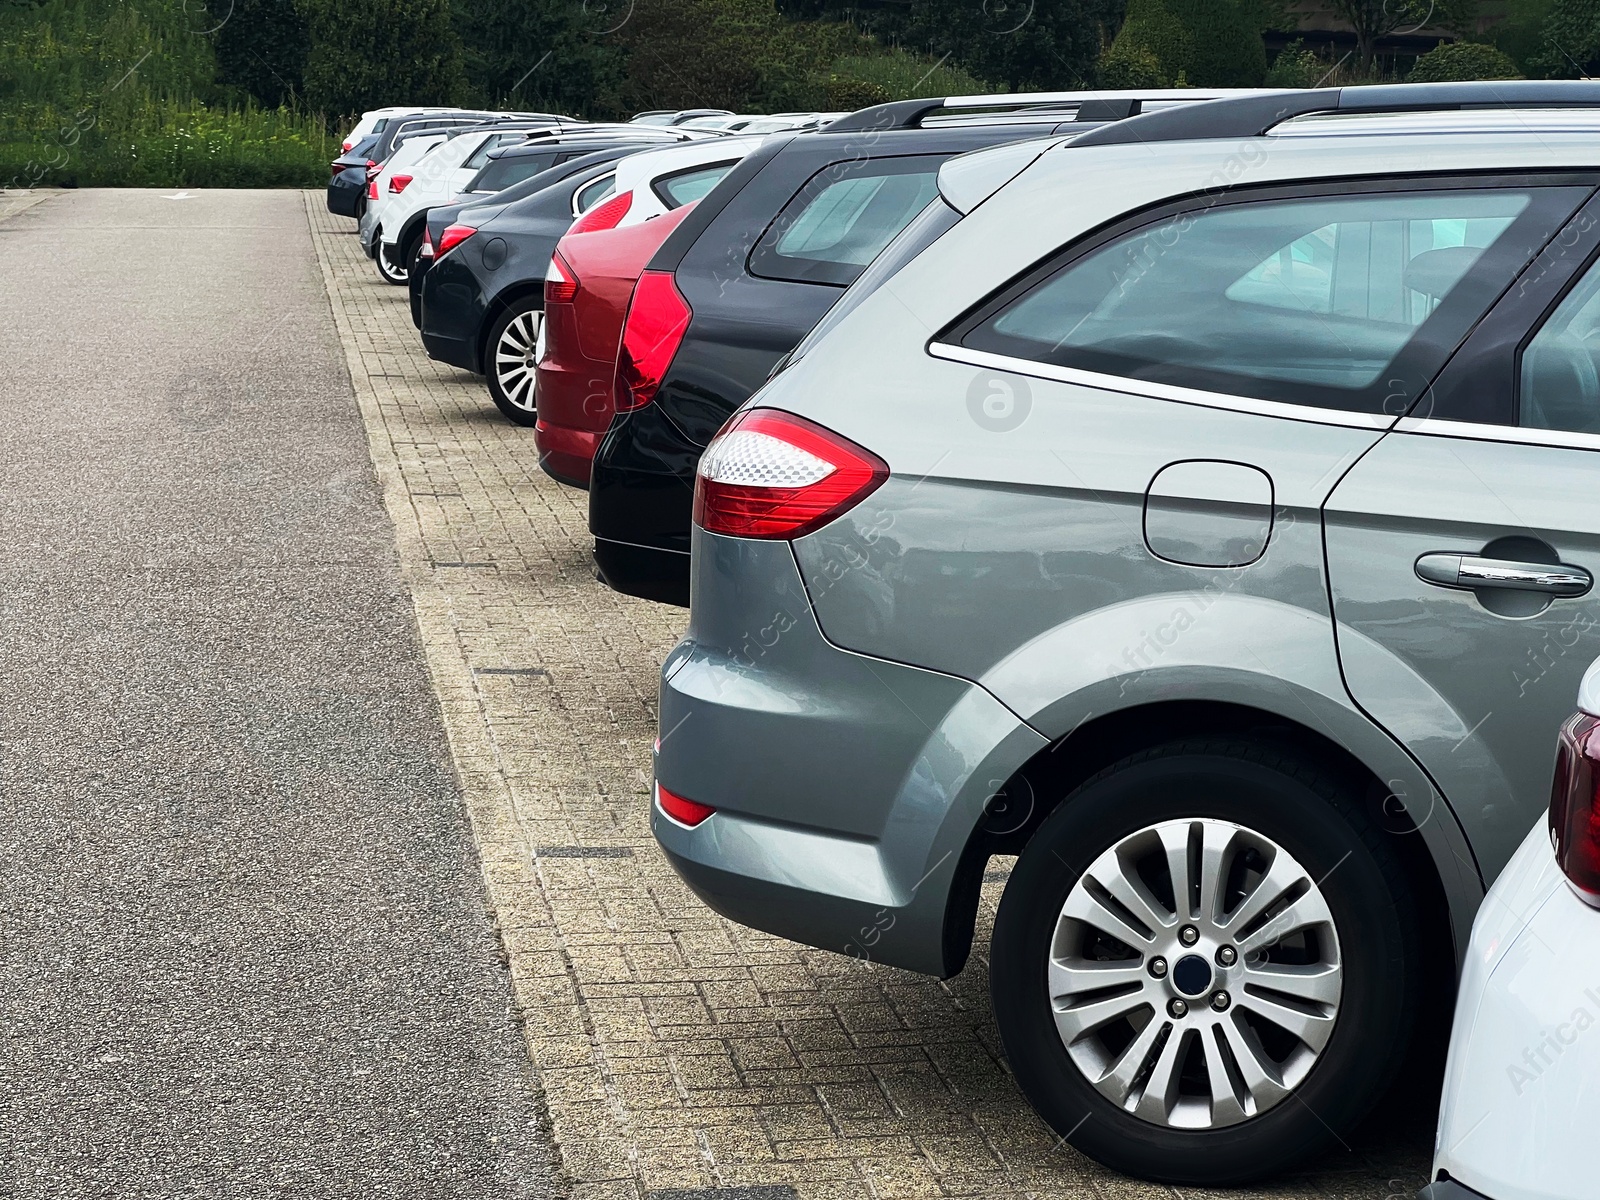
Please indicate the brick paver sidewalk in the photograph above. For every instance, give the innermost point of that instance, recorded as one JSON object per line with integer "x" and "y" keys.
{"x": 677, "y": 1051}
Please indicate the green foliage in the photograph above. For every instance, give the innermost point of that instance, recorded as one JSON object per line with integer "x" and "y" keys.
{"x": 369, "y": 53}
{"x": 261, "y": 50}
{"x": 100, "y": 92}
{"x": 1569, "y": 41}
{"x": 543, "y": 55}
{"x": 1019, "y": 45}
{"x": 1375, "y": 19}
{"x": 1128, "y": 65}
{"x": 1296, "y": 67}
{"x": 1462, "y": 60}
{"x": 1208, "y": 43}
{"x": 736, "y": 54}
{"x": 904, "y": 76}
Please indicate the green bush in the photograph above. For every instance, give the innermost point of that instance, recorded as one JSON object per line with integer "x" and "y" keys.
{"x": 1209, "y": 43}
{"x": 1452, "y": 61}
{"x": 847, "y": 94}
{"x": 1569, "y": 40}
{"x": 1131, "y": 66}
{"x": 1296, "y": 67}
{"x": 904, "y": 76}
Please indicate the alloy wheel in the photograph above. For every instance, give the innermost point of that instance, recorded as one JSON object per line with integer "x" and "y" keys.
{"x": 1195, "y": 974}
{"x": 515, "y": 355}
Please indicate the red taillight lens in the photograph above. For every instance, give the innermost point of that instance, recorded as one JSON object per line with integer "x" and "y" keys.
{"x": 684, "y": 812}
{"x": 604, "y": 216}
{"x": 397, "y": 183}
{"x": 373, "y": 168}
{"x": 658, "y": 317}
{"x": 452, "y": 237}
{"x": 1575, "y": 808}
{"x": 346, "y": 146}
{"x": 427, "y": 244}
{"x": 372, "y": 189}
{"x": 560, "y": 282}
{"x": 771, "y": 474}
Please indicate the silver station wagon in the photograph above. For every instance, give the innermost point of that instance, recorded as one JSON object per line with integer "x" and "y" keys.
{"x": 1205, "y": 510}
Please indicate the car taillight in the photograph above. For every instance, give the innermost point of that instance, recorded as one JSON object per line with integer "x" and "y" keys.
{"x": 684, "y": 812}
{"x": 427, "y": 244}
{"x": 372, "y": 189}
{"x": 397, "y": 183}
{"x": 771, "y": 474}
{"x": 452, "y": 237}
{"x": 560, "y": 282}
{"x": 658, "y": 317}
{"x": 346, "y": 147}
{"x": 373, "y": 168}
{"x": 604, "y": 216}
{"x": 1574, "y": 806}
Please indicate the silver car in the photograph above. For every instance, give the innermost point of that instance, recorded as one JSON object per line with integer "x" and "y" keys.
{"x": 1208, "y": 515}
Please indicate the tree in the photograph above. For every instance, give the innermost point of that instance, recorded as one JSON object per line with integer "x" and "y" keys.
{"x": 1570, "y": 40}
{"x": 545, "y": 55}
{"x": 262, "y": 47}
{"x": 1373, "y": 20}
{"x": 1208, "y": 43}
{"x": 369, "y": 53}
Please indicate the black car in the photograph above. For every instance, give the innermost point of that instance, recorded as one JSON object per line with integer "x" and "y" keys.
{"x": 753, "y": 268}
{"x": 347, "y": 185}
{"x": 469, "y": 301}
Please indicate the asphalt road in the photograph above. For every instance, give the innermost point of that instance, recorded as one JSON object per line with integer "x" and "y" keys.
{"x": 243, "y": 942}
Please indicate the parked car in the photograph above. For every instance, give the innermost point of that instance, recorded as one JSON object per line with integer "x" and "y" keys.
{"x": 588, "y": 287}
{"x": 470, "y": 309}
{"x": 475, "y": 209}
{"x": 1514, "y": 1122}
{"x": 676, "y": 117}
{"x": 354, "y": 169}
{"x": 414, "y": 187}
{"x": 393, "y": 177}
{"x": 1205, "y": 518}
{"x": 761, "y": 261}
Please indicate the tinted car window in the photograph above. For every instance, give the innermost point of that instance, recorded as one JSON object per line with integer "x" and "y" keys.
{"x": 689, "y": 186}
{"x": 1560, "y": 374}
{"x": 1336, "y": 301}
{"x": 591, "y": 194}
{"x": 501, "y": 173}
{"x": 844, "y": 215}
{"x": 493, "y": 142}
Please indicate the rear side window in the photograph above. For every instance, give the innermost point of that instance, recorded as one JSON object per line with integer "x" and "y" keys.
{"x": 688, "y": 186}
{"x": 501, "y": 173}
{"x": 494, "y": 141}
{"x": 1560, "y": 371}
{"x": 1341, "y": 301}
{"x": 591, "y": 194}
{"x": 844, "y": 215}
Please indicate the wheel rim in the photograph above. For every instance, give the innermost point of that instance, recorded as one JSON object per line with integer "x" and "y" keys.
{"x": 1194, "y": 974}
{"x": 515, "y": 355}
{"x": 387, "y": 265}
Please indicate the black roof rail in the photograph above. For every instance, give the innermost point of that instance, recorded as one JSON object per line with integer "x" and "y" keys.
{"x": 909, "y": 114}
{"x": 1252, "y": 116}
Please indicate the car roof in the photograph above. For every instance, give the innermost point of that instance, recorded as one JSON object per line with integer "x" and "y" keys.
{"x": 583, "y": 141}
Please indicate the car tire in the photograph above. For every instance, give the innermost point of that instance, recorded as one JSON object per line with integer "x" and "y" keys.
{"x": 413, "y": 252}
{"x": 1225, "y": 1095}
{"x": 390, "y": 269}
{"x": 508, "y": 358}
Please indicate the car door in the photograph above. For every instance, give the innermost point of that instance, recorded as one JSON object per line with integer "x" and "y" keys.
{"x": 1463, "y": 547}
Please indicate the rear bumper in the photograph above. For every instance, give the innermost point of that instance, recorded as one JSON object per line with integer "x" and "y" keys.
{"x": 345, "y": 190}
{"x": 643, "y": 571}
{"x": 641, "y": 496}
{"x": 452, "y": 308}
{"x": 566, "y": 454}
{"x": 1525, "y": 1046}
{"x": 1449, "y": 1189}
{"x": 847, "y": 788}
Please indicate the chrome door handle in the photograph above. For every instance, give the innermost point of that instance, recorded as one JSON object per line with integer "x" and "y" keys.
{"x": 1470, "y": 572}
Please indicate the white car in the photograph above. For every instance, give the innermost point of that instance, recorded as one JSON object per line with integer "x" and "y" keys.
{"x": 658, "y": 181}
{"x": 1523, "y": 1077}
{"x": 374, "y": 121}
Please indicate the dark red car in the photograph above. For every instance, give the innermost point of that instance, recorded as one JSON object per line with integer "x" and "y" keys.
{"x": 586, "y": 296}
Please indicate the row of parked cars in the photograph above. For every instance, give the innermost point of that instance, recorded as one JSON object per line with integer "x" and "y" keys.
{"x": 1190, "y": 494}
